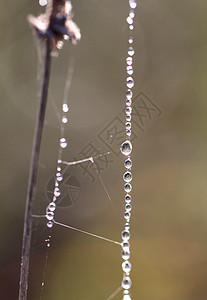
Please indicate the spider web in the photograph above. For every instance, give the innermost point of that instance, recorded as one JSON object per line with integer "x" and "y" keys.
{"x": 73, "y": 189}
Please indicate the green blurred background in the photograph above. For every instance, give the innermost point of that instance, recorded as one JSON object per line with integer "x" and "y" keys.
{"x": 169, "y": 222}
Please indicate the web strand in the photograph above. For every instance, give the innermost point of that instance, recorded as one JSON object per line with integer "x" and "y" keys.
{"x": 91, "y": 159}
{"x": 45, "y": 266}
{"x": 88, "y": 233}
{"x": 117, "y": 291}
{"x": 126, "y": 149}
{"x": 79, "y": 230}
{"x": 52, "y": 206}
{"x": 105, "y": 189}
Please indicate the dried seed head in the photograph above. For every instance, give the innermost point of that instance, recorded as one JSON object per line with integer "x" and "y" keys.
{"x": 56, "y": 24}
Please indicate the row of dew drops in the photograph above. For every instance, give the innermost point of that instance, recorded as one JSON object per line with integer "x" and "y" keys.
{"x": 126, "y": 149}
{"x": 50, "y": 210}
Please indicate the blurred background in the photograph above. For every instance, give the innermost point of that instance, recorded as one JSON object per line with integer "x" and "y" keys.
{"x": 169, "y": 218}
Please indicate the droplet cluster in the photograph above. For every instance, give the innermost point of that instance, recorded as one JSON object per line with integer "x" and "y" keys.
{"x": 126, "y": 149}
{"x": 50, "y": 210}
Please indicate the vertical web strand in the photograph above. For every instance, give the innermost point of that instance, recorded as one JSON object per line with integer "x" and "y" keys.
{"x": 126, "y": 149}
{"x": 50, "y": 210}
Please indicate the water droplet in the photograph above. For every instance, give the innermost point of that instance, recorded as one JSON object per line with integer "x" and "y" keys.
{"x": 129, "y": 70}
{"x": 129, "y": 20}
{"x": 128, "y": 118}
{"x": 131, "y": 51}
{"x": 128, "y": 132}
{"x": 131, "y": 27}
{"x": 60, "y": 177}
{"x": 133, "y": 4}
{"x": 42, "y": 2}
{"x": 130, "y": 82}
{"x": 126, "y": 292}
{"x": 60, "y": 45}
{"x": 66, "y": 37}
{"x": 126, "y": 148}
{"x": 125, "y": 245}
{"x": 126, "y": 283}
{"x": 128, "y": 125}
{"x": 57, "y": 192}
{"x": 128, "y": 110}
{"x": 125, "y": 254}
{"x": 129, "y": 60}
{"x": 50, "y": 224}
{"x": 59, "y": 161}
{"x": 48, "y": 245}
{"x": 50, "y": 215}
{"x": 52, "y": 206}
{"x": 129, "y": 94}
{"x": 65, "y": 108}
{"x": 63, "y": 143}
{"x": 126, "y": 266}
{"x": 128, "y": 163}
{"x": 128, "y": 198}
{"x": 58, "y": 169}
{"x": 128, "y": 187}
{"x": 128, "y": 102}
{"x": 126, "y": 297}
{"x": 125, "y": 235}
{"x": 127, "y": 216}
{"x": 131, "y": 14}
{"x": 127, "y": 226}
{"x": 54, "y": 198}
{"x": 127, "y": 176}
{"x": 130, "y": 40}
{"x": 64, "y": 120}
{"x": 128, "y": 207}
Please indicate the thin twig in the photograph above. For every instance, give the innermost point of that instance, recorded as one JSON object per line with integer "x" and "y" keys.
{"x": 26, "y": 245}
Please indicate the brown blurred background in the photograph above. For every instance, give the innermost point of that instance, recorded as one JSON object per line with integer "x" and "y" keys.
{"x": 169, "y": 222}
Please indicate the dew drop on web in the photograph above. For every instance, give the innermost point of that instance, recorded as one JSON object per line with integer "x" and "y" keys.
{"x": 127, "y": 176}
{"x": 132, "y": 4}
{"x": 126, "y": 148}
{"x": 131, "y": 51}
{"x": 65, "y": 108}
{"x": 126, "y": 283}
{"x": 126, "y": 266}
{"x": 42, "y": 2}
{"x": 130, "y": 82}
{"x": 64, "y": 120}
{"x": 63, "y": 143}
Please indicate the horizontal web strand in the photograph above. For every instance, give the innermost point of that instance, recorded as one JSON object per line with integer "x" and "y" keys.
{"x": 91, "y": 159}
{"x": 79, "y": 230}
{"x": 88, "y": 233}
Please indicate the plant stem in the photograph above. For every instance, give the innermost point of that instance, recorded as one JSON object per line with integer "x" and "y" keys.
{"x": 26, "y": 244}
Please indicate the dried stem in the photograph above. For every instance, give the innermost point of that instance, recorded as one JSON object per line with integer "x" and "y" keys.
{"x": 26, "y": 245}
{"x": 53, "y": 27}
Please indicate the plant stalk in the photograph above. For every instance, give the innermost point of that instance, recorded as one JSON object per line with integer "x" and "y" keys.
{"x": 31, "y": 191}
